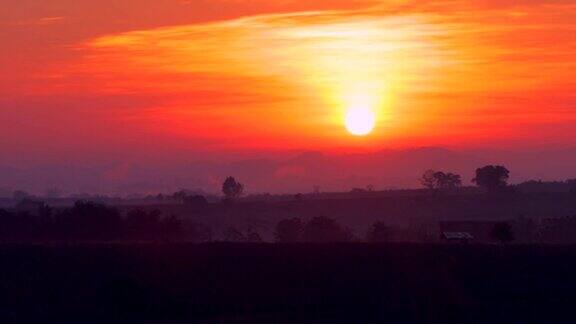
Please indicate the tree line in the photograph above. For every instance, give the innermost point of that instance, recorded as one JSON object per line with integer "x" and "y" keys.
{"x": 492, "y": 178}
{"x": 86, "y": 220}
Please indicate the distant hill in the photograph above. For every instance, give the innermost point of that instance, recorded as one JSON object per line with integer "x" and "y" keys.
{"x": 385, "y": 169}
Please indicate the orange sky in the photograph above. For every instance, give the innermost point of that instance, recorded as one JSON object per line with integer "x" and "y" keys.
{"x": 145, "y": 78}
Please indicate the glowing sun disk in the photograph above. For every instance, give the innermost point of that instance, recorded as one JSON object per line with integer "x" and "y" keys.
{"x": 360, "y": 121}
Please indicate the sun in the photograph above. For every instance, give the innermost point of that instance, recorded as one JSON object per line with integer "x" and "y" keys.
{"x": 360, "y": 121}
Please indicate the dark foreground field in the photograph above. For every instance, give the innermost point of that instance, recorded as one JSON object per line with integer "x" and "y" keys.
{"x": 286, "y": 283}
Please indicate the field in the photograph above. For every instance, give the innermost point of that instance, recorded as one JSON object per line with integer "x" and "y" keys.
{"x": 286, "y": 283}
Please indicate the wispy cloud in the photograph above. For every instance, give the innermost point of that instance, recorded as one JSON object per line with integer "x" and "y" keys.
{"x": 44, "y": 21}
{"x": 441, "y": 72}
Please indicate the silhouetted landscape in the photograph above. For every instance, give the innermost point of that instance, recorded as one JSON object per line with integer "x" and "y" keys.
{"x": 536, "y": 212}
{"x": 489, "y": 252}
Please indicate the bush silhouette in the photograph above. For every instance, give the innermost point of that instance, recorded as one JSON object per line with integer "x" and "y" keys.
{"x": 379, "y": 232}
{"x": 289, "y": 230}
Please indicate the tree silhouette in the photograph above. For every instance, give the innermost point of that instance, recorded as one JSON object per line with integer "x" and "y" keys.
{"x": 379, "y": 232}
{"x": 198, "y": 232}
{"x": 7, "y": 221}
{"x": 180, "y": 195}
{"x": 440, "y": 180}
{"x": 253, "y": 237}
{"x": 171, "y": 228}
{"x": 89, "y": 220}
{"x": 231, "y": 234}
{"x": 143, "y": 225}
{"x": 428, "y": 179}
{"x": 492, "y": 177}
{"x": 449, "y": 180}
{"x": 502, "y": 232}
{"x": 324, "y": 229}
{"x": 289, "y": 230}
{"x": 19, "y": 195}
{"x": 17, "y": 225}
{"x": 232, "y": 189}
{"x": 571, "y": 185}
